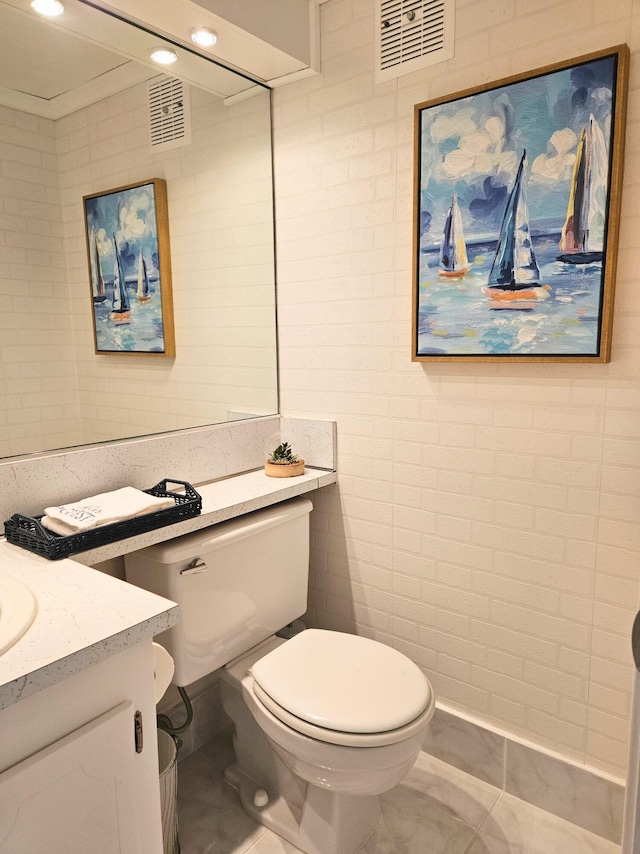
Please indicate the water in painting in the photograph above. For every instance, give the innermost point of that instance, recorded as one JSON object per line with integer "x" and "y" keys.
{"x": 144, "y": 331}
{"x": 515, "y": 181}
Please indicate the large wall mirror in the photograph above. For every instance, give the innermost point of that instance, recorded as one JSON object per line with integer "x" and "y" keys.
{"x": 74, "y": 121}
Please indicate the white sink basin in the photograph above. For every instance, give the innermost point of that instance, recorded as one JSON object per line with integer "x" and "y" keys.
{"x": 18, "y": 607}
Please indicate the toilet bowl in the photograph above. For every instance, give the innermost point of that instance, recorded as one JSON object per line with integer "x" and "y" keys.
{"x": 344, "y": 715}
{"x": 356, "y": 769}
{"x": 325, "y": 721}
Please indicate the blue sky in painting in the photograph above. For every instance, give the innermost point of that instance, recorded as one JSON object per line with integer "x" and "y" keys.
{"x": 130, "y": 215}
{"x": 472, "y": 147}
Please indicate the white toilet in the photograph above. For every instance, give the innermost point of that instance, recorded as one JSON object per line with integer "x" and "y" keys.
{"x": 325, "y": 721}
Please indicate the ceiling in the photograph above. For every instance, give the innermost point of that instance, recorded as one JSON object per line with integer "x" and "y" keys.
{"x": 45, "y": 61}
{"x": 52, "y": 67}
{"x": 51, "y": 72}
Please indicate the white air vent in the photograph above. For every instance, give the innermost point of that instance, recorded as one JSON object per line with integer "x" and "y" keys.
{"x": 169, "y": 113}
{"x": 413, "y": 34}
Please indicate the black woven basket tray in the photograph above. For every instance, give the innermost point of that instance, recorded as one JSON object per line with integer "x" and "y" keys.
{"x": 27, "y": 532}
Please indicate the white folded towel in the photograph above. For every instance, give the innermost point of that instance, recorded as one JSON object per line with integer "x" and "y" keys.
{"x": 102, "y": 509}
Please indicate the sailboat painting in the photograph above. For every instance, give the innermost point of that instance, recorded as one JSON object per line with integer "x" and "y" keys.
{"x": 453, "y": 250}
{"x": 143, "y": 292}
{"x": 130, "y": 271}
{"x": 582, "y": 239}
{"x": 514, "y": 279}
{"x": 517, "y": 188}
{"x": 120, "y": 305}
{"x": 95, "y": 267}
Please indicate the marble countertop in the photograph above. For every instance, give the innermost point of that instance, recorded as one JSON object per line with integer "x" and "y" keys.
{"x": 224, "y": 499}
{"x": 85, "y": 615}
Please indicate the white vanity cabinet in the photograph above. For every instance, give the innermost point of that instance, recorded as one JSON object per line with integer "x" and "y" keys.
{"x": 70, "y": 778}
{"x": 71, "y": 781}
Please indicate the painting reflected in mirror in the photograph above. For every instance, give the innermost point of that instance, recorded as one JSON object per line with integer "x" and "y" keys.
{"x": 56, "y": 390}
{"x": 127, "y": 231}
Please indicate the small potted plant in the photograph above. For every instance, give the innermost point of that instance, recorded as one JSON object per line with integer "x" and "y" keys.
{"x": 283, "y": 462}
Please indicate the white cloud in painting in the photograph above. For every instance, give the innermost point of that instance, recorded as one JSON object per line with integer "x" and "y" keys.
{"x": 602, "y": 97}
{"x": 556, "y": 164}
{"x": 447, "y": 127}
{"x": 480, "y": 148}
{"x": 134, "y": 218}
{"x": 105, "y": 244}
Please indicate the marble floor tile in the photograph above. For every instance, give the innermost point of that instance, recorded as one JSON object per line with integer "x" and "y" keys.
{"x": 210, "y": 818}
{"x": 220, "y": 750}
{"x": 515, "y": 827}
{"x": 437, "y": 809}
{"x": 408, "y": 827}
{"x": 271, "y": 843}
{"x": 461, "y": 795}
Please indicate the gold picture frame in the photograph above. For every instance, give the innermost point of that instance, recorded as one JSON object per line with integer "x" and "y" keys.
{"x": 129, "y": 258}
{"x": 517, "y": 187}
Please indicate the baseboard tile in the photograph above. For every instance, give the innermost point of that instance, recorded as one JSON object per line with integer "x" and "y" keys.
{"x": 579, "y": 794}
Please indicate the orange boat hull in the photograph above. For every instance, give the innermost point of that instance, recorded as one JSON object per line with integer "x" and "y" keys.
{"x": 538, "y": 293}
{"x": 123, "y": 317}
{"x": 453, "y": 274}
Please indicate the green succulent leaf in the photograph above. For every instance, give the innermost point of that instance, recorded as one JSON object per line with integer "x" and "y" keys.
{"x": 283, "y": 454}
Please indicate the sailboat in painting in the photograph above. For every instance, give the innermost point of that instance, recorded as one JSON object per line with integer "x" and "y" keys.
{"x": 453, "y": 250}
{"x": 142, "y": 292}
{"x": 120, "y": 306}
{"x": 582, "y": 239}
{"x": 97, "y": 279}
{"x": 514, "y": 280}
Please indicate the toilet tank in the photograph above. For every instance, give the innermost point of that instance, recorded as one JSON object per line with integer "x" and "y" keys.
{"x": 237, "y": 583}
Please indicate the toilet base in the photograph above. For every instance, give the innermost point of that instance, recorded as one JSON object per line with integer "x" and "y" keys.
{"x": 330, "y": 822}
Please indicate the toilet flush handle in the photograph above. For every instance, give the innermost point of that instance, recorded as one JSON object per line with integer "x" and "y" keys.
{"x": 196, "y": 565}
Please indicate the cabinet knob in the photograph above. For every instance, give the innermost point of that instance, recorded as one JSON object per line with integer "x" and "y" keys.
{"x": 137, "y": 729}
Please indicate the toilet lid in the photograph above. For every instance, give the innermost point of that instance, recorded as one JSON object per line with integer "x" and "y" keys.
{"x": 343, "y": 682}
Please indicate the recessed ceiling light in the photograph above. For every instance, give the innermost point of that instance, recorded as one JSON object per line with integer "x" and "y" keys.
{"x": 50, "y": 8}
{"x": 204, "y": 37}
{"x": 164, "y": 56}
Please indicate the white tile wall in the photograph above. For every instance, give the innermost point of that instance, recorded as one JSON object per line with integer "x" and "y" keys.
{"x": 486, "y": 519}
{"x": 37, "y": 372}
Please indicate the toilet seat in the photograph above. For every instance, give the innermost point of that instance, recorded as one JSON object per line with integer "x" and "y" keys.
{"x": 343, "y": 689}
{"x": 335, "y": 737}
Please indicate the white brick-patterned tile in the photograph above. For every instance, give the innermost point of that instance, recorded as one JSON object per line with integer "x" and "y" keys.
{"x": 513, "y": 489}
